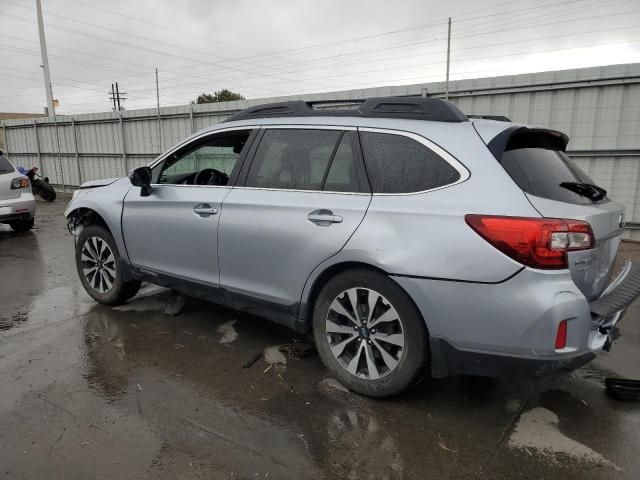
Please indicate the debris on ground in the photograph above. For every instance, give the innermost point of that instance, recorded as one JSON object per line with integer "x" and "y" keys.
{"x": 175, "y": 304}
{"x": 273, "y": 356}
{"x": 298, "y": 350}
{"x": 330, "y": 385}
{"x": 229, "y": 333}
{"x": 623, "y": 389}
{"x": 252, "y": 360}
{"x": 444, "y": 447}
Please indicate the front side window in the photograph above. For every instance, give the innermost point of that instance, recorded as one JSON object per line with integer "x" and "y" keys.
{"x": 311, "y": 159}
{"x": 399, "y": 164}
{"x": 206, "y": 162}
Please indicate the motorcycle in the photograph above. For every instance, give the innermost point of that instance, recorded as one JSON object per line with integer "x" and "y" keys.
{"x": 39, "y": 187}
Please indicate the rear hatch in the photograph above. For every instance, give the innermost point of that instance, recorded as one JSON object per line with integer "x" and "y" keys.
{"x": 7, "y": 174}
{"x": 557, "y": 188}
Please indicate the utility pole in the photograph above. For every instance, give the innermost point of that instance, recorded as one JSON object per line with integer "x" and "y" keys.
{"x": 120, "y": 107}
{"x": 51, "y": 108}
{"x": 446, "y": 82}
{"x": 158, "y": 111}
{"x": 116, "y": 96}
{"x": 45, "y": 61}
{"x": 113, "y": 96}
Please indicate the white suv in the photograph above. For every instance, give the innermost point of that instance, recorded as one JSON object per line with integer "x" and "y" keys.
{"x": 17, "y": 205}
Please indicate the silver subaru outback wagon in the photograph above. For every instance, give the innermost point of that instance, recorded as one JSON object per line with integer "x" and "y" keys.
{"x": 406, "y": 236}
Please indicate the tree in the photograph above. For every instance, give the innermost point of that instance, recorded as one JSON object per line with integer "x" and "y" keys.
{"x": 223, "y": 95}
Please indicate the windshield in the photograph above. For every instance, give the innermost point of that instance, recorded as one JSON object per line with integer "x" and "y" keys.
{"x": 5, "y": 165}
{"x": 540, "y": 172}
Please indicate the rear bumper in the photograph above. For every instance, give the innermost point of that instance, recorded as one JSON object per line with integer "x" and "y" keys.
{"x": 20, "y": 208}
{"x": 509, "y": 328}
{"x": 447, "y": 360}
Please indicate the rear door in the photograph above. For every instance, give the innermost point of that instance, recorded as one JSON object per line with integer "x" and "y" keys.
{"x": 544, "y": 173}
{"x": 302, "y": 197}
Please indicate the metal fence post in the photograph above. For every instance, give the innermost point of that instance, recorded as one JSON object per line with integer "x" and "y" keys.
{"x": 38, "y": 154}
{"x": 6, "y": 139}
{"x": 75, "y": 146}
{"x": 193, "y": 126}
{"x": 124, "y": 149}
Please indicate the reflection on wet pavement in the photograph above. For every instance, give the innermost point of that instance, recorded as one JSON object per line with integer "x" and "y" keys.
{"x": 88, "y": 391}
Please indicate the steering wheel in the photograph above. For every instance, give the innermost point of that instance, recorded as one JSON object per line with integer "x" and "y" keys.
{"x": 210, "y": 176}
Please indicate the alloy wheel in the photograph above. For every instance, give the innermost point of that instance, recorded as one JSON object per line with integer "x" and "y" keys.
{"x": 98, "y": 264}
{"x": 365, "y": 333}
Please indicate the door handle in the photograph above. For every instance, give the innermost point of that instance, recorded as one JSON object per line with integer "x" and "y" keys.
{"x": 204, "y": 210}
{"x": 324, "y": 217}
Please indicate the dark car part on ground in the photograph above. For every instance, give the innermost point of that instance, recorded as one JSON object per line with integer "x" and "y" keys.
{"x": 623, "y": 389}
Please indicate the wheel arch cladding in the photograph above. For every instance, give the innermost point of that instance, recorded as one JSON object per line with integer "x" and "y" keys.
{"x": 322, "y": 278}
{"x": 87, "y": 216}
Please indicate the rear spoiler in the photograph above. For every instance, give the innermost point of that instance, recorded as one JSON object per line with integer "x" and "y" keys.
{"x": 526, "y": 137}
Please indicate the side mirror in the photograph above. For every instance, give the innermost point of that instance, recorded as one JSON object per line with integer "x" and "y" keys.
{"x": 141, "y": 177}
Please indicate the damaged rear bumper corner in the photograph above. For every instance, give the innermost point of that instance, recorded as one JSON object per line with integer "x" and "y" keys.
{"x": 608, "y": 309}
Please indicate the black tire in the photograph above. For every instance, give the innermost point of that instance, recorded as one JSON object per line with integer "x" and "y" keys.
{"x": 45, "y": 190}
{"x": 22, "y": 225}
{"x": 118, "y": 291}
{"x": 412, "y": 362}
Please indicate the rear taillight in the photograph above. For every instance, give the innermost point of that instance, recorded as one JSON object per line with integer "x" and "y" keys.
{"x": 20, "y": 182}
{"x": 535, "y": 242}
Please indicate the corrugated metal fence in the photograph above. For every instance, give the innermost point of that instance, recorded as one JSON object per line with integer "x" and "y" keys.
{"x": 599, "y": 108}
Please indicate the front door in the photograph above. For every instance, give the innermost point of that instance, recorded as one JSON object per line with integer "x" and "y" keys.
{"x": 173, "y": 231}
{"x": 303, "y": 197}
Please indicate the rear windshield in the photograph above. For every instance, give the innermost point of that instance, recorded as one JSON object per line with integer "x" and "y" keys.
{"x": 540, "y": 172}
{"x": 5, "y": 165}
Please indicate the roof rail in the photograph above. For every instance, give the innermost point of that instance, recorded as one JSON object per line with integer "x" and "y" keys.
{"x": 497, "y": 118}
{"x": 413, "y": 108}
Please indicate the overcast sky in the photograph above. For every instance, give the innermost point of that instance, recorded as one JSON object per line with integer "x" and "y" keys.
{"x": 274, "y": 47}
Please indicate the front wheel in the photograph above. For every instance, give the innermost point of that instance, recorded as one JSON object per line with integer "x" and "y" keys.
{"x": 99, "y": 269}
{"x": 369, "y": 333}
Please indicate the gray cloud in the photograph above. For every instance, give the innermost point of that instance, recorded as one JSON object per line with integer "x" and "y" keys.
{"x": 271, "y": 47}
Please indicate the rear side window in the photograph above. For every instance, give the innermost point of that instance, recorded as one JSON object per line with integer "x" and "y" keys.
{"x": 299, "y": 159}
{"x": 540, "y": 172}
{"x": 5, "y": 165}
{"x": 398, "y": 164}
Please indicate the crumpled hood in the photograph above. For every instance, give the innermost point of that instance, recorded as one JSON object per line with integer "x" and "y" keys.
{"x": 103, "y": 182}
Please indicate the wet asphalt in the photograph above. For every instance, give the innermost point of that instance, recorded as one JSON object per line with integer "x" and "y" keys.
{"x": 90, "y": 392}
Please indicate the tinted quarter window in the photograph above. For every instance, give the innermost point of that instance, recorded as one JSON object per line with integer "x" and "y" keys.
{"x": 293, "y": 159}
{"x": 540, "y": 172}
{"x": 5, "y": 165}
{"x": 398, "y": 164}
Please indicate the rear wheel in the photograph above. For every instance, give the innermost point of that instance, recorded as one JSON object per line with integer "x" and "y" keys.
{"x": 22, "y": 225}
{"x": 369, "y": 333}
{"x": 99, "y": 269}
{"x": 45, "y": 190}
